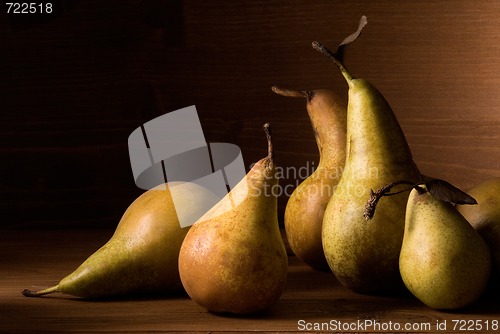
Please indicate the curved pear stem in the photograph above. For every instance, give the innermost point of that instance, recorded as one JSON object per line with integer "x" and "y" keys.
{"x": 375, "y": 196}
{"x": 440, "y": 189}
{"x": 290, "y": 92}
{"x": 30, "y": 293}
{"x": 267, "y": 130}
{"x": 338, "y": 56}
{"x": 331, "y": 55}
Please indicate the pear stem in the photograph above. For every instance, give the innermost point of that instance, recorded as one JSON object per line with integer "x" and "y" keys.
{"x": 439, "y": 189}
{"x": 289, "y": 92}
{"x": 338, "y": 56}
{"x": 375, "y": 196}
{"x": 30, "y": 293}
{"x": 267, "y": 130}
{"x": 331, "y": 55}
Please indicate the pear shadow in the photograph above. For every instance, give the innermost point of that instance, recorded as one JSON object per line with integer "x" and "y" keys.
{"x": 310, "y": 281}
{"x": 487, "y": 304}
{"x": 250, "y": 316}
{"x": 140, "y": 297}
{"x": 125, "y": 298}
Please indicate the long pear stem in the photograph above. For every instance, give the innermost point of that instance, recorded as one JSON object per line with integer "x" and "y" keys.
{"x": 338, "y": 56}
{"x": 267, "y": 130}
{"x": 330, "y": 55}
{"x": 30, "y": 293}
{"x": 289, "y": 92}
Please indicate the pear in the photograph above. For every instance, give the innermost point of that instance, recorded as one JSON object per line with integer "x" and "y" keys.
{"x": 364, "y": 255}
{"x": 444, "y": 262}
{"x": 306, "y": 206}
{"x": 485, "y": 217}
{"x": 142, "y": 255}
{"x": 233, "y": 259}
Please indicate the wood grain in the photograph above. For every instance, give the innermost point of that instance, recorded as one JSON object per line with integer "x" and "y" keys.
{"x": 73, "y": 89}
{"x": 37, "y": 259}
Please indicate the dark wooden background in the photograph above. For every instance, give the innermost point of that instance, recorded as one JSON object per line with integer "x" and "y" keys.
{"x": 74, "y": 87}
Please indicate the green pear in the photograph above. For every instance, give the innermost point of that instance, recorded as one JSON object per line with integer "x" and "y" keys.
{"x": 306, "y": 206}
{"x": 364, "y": 255}
{"x": 142, "y": 255}
{"x": 233, "y": 259}
{"x": 444, "y": 262}
{"x": 485, "y": 216}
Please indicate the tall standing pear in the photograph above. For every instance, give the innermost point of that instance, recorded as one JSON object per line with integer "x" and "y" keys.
{"x": 444, "y": 262}
{"x": 233, "y": 259}
{"x": 306, "y": 206}
{"x": 362, "y": 254}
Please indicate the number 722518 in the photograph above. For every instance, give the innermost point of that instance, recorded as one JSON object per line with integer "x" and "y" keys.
{"x": 29, "y": 8}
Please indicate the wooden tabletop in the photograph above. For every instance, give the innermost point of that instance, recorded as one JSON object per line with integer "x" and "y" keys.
{"x": 37, "y": 259}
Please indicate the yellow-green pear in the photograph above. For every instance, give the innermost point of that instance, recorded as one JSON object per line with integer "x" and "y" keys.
{"x": 233, "y": 259}
{"x": 444, "y": 262}
{"x": 362, "y": 254}
{"x": 306, "y": 206}
{"x": 485, "y": 216}
{"x": 142, "y": 255}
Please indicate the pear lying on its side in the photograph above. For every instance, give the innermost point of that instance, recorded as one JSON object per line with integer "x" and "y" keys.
{"x": 142, "y": 255}
{"x": 444, "y": 262}
{"x": 485, "y": 216}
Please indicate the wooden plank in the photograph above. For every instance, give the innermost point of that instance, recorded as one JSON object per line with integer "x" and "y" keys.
{"x": 37, "y": 259}
{"x": 75, "y": 87}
